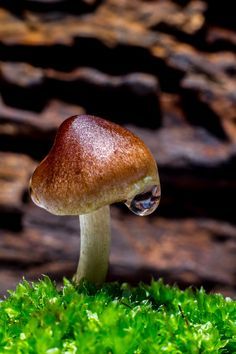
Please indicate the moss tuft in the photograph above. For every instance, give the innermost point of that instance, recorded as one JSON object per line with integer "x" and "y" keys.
{"x": 38, "y": 318}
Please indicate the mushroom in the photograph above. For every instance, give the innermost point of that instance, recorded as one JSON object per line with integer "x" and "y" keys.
{"x": 92, "y": 164}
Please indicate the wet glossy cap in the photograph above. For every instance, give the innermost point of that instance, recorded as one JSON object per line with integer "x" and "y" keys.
{"x": 92, "y": 163}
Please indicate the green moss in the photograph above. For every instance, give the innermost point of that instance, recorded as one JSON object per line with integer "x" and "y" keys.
{"x": 37, "y": 318}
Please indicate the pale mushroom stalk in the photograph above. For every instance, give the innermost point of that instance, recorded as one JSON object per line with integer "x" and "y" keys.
{"x": 95, "y": 239}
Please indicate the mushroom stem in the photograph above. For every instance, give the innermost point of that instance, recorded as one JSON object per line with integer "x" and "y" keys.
{"x": 94, "y": 246}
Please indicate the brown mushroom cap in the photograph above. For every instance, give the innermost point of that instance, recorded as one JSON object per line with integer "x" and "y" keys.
{"x": 92, "y": 163}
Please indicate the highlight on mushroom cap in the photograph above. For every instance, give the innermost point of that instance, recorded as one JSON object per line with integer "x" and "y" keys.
{"x": 92, "y": 163}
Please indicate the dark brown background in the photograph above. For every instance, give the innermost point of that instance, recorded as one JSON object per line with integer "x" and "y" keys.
{"x": 167, "y": 70}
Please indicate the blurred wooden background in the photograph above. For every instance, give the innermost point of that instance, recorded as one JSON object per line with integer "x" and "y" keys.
{"x": 165, "y": 69}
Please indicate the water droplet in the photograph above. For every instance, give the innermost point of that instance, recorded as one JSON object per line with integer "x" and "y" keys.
{"x": 146, "y": 202}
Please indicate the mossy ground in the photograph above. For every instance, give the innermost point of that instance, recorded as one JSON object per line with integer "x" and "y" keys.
{"x": 38, "y": 318}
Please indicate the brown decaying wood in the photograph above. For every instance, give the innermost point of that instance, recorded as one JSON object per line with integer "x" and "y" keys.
{"x": 165, "y": 70}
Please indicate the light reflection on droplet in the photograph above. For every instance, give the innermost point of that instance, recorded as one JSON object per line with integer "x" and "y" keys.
{"x": 146, "y": 202}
